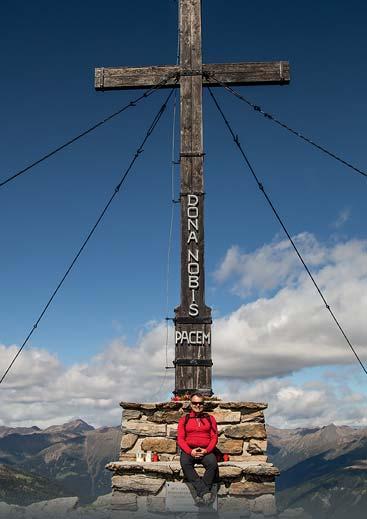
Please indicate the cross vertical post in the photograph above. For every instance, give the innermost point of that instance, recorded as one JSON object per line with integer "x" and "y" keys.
{"x": 193, "y": 362}
{"x": 193, "y": 318}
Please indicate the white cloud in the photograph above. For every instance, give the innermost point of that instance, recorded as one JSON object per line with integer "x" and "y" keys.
{"x": 255, "y": 349}
{"x": 270, "y": 266}
{"x": 93, "y": 390}
{"x": 312, "y": 404}
{"x": 343, "y": 217}
{"x": 292, "y": 328}
{"x": 39, "y": 390}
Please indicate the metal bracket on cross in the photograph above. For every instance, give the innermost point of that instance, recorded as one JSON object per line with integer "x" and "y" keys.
{"x": 193, "y": 362}
{"x": 192, "y": 320}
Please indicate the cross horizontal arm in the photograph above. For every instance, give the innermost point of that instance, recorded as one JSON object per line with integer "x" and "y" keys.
{"x": 123, "y": 78}
{"x": 256, "y": 73}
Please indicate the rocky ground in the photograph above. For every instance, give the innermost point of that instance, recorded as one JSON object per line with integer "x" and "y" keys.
{"x": 69, "y": 508}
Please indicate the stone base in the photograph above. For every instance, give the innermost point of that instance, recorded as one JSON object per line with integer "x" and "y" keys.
{"x": 243, "y": 487}
{"x": 246, "y": 483}
{"x": 180, "y": 497}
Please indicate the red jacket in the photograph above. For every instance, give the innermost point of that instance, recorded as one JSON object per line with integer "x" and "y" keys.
{"x": 198, "y": 432}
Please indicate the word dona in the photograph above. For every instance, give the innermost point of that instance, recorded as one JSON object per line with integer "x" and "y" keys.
{"x": 193, "y": 267}
{"x": 196, "y": 337}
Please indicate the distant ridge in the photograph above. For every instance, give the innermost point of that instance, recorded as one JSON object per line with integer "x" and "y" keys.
{"x": 323, "y": 469}
{"x": 75, "y": 426}
{"x": 72, "y": 455}
{"x": 19, "y": 430}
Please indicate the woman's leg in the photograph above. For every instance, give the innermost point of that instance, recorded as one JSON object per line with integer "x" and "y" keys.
{"x": 211, "y": 465}
{"x": 187, "y": 464}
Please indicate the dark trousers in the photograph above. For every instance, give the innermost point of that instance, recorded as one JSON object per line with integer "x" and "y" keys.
{"x": 202, "y": 485}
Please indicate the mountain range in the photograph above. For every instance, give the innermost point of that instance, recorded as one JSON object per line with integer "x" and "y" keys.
{"x": 65, "y": 460}
{"x": 323, "y": 469}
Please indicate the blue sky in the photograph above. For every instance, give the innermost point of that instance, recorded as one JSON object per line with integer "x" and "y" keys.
{"x": 118, "y": 289}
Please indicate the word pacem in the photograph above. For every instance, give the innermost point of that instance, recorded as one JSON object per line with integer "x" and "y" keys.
{"x": 196, "y": 337}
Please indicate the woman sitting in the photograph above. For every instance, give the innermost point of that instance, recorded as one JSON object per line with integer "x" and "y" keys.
{"x": 197, "y": 438}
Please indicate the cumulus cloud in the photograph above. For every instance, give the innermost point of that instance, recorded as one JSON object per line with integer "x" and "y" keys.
{"x": 270, "y": 266}
{"x": 40, "y": 390}
{"x": 256, "y": 348}
{"x": 312, "y": 404}
{"x": 93, "y": 390}
{"x": 291, "y": 328}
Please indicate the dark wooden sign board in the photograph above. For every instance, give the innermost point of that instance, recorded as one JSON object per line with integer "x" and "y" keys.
{"x": 193, "y": 360}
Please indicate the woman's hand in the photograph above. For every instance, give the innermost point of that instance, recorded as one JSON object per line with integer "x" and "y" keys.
{"x": 198, "y": 452}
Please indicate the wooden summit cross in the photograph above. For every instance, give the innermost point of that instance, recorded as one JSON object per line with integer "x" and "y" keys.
{"x": 192, "y": 318}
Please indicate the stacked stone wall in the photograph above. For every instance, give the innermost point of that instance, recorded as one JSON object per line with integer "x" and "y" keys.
{"x": 247, "y": 481}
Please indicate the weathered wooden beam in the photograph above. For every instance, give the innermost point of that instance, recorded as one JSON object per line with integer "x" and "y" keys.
{"x": 252, "y": 73}
{"x": 196, "y": 376}
{"x": 121, "y": 78}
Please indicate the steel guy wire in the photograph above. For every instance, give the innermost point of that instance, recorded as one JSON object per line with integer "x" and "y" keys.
{"x": 173, "y": 164}
{"x": 271, "y": 117}
{"x": 276, "y": 213}
{"x": 131, "y": 104}
{"x": 169, "y": 249}
{"x": 91, "y": 232}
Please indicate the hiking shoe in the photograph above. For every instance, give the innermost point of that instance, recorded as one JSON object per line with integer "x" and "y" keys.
{"x": 207, "y": 499}
{"x": 199, "y": 501}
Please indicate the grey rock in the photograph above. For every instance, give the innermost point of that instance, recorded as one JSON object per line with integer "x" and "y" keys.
{"x": 173, "y": 406}
{"x": 102, "y": 501}
{"x": 54, "y": 508}
{"x": 265, "y": 505}
{"x": 251, "y": 488}
{"x": 247, "y": 431}
{"x": 227, "y": 416}
{"x": 240, "y": 506}
{"x": 229, "y": 471}
{"x": 137, "y": 484}
{"x": 257, "y": 417}
{"x": 138, "y": 406}
{"x": 244, "y": 406}
{"x": 156, "y": 504}
{"x": 172, "y": 431}
{"x": 257, "y": 446}
{"x": 230, "y": 446}
{"x": 159, "y": 445}
{"x": 128, "y": 441}
{"x": 145, "y": 428}
{"x": 124, "y": 501}
{"x": 131, "y": 414}
{"x": 166, "y": 417}
{"x": 261, "y": 470}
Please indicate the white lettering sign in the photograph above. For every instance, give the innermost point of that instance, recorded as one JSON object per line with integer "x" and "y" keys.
{"x": 193, "y": 337}
{"x": 193, "y": 310}
{"x": 193, "y": 266}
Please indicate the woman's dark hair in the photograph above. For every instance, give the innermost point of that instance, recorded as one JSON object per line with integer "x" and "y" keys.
{"x": 197, "y": 394}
